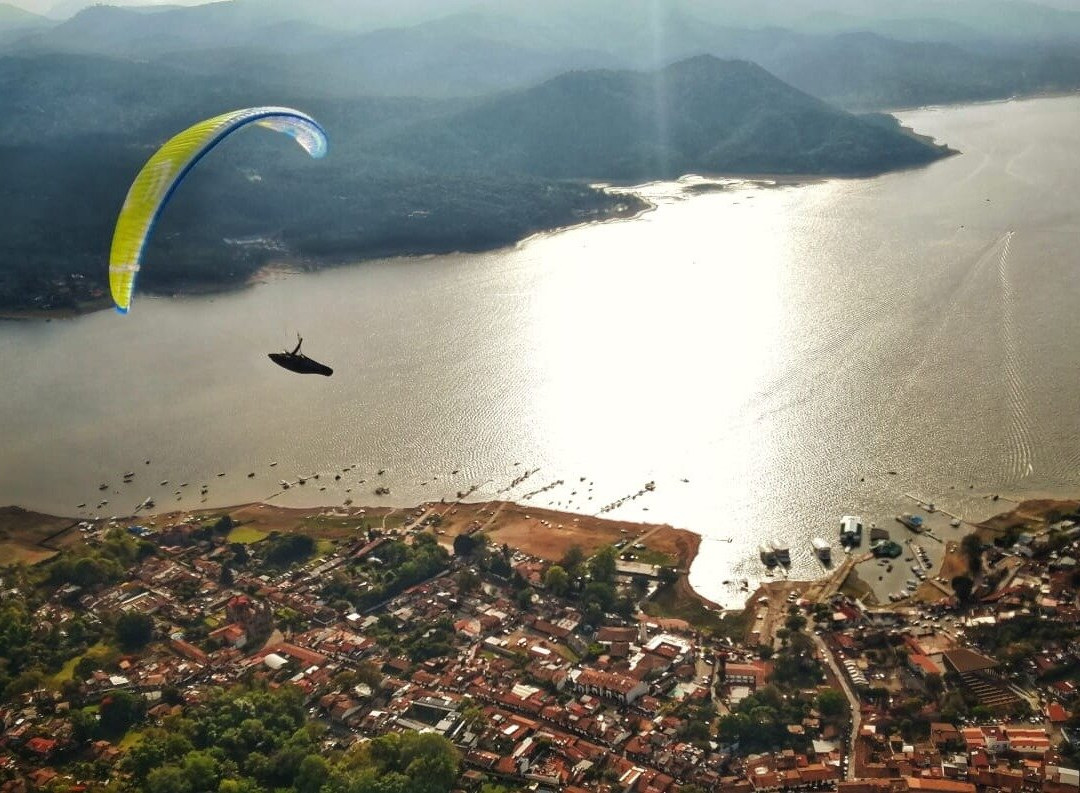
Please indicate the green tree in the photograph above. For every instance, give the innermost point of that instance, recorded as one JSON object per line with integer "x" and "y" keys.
{"x": 556, "y": 580}
{"x": 312, "y": 774}
{"x": 795, "y": 623}
{"x": 168, "y": 779}
{"x": 832, "y": 703}
{"x": 202, "y": 771}
{"x": 468, "y": 580}
{"x": 134, "y": 630}
{"x": 118, "y": 711}
{"x": 602, "y": 564}
{"x": 524, "y": 598}
{"x": 572, "y": 560}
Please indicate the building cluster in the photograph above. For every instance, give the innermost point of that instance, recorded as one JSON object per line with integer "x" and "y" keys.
{"x": 534, "y": 699}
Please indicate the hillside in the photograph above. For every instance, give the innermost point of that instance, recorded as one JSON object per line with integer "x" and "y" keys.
{"x": 403, "y": 176}
{"x": 702, "y": 115}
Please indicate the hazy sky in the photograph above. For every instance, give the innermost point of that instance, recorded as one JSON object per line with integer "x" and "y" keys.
{"x": 48, "y": 6}
{"x": 64, "y": 8}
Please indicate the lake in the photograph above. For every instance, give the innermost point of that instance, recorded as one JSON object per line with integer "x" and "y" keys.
{"x": 782, "y": 348}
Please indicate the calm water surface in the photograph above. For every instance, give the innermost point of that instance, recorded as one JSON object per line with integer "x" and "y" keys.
{"x": 781, "y": 348}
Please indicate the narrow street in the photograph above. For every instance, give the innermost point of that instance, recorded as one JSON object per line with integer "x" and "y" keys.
{"x": 853, "y": 702}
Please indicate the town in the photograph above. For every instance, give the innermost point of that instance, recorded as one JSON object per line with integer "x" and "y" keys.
{"x": 124, "y": 657}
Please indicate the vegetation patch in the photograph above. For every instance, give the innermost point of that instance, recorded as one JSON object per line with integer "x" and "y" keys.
{"x": 246, "y": 535}
{"x": 671, "y": 601}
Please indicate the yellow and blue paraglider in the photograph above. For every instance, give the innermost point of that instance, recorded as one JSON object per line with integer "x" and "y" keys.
{"x": 158, "y": 179}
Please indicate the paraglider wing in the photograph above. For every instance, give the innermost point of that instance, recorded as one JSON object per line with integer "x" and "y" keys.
{"x": 158, "y": 179}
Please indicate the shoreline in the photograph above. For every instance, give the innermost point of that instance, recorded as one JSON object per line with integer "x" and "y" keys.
{"x": 298, "y": 265}
{"x": 540, "y": 532}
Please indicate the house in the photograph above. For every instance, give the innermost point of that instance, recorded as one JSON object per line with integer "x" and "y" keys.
{"x": 608, "y": 684}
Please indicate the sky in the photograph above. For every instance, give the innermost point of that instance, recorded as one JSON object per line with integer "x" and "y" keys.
{"x": 48, "y": 7}
{"x": 64, "y": 8}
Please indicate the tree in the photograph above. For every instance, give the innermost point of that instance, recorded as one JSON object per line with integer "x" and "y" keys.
{"x": 465, "y": 544}
{"x": 602, "y": 565}
{"x": 227, "y": 577}
{"x": 168, "y": 779}
{"x": 556, "y": 580}
{"x": 524, "y": 598}
{"x": 962, "y": 586}
{"x": 313, "y": 772}
{"x": 468, "y": 580}
{"x": 85, "y": 667}
{"x": 795, "y": 623}
{"x": 286, "y": 549}
{"x": 972, "y": 548}
{"x": 134, "y": 630}
{"x": 202, "y": 771}
{"x": 832, "y": 703}
{"x": 934, "y": 685}
{"x": 118, "y": 711}
{"x": 572, "y": 559}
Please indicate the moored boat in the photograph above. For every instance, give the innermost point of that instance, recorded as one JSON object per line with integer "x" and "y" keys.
{"x": 782, "y": 552}
{"x": 767, "y": 553}
{"x": 822, "y": 549}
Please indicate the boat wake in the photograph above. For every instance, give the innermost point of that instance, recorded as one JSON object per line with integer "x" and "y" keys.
{"x": 1020, "y": 455}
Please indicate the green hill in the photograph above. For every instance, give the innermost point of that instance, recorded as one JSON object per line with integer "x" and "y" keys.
{"x": 403, "y": 175}
{"x": 701, "y": 115}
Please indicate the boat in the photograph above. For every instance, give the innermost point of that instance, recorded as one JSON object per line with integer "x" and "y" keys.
{"x": 822, "y": 549}
{"x": 103, "y": 486}
{"x": 782, "y": 551}
{"x": 851, "y": 528}
{"x": 913, "y": 522}
{"x": 767, "y": 553}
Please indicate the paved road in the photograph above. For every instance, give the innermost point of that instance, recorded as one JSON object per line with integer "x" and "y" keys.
{"x": 853, "y": 702}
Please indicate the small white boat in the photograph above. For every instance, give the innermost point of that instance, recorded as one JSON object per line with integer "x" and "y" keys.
{"x": 822, "y": 549}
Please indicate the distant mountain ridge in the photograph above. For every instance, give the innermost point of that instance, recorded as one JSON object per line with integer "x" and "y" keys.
{"x": 480, "y": 52}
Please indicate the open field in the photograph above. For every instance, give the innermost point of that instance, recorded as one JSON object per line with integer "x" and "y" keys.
{"x": 549, "y": 534}
{"x": 1029, "y": 514}
{"x": 30, "y": 537}
{"x": 17, "y": 553}
{"x": 246, "y": 535}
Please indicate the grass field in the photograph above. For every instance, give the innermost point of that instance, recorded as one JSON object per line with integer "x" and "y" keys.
{"x": 15, "y": 553}
{"x": 131, "y": 738}
{"x": 246, "y": 535}
{"x": 100, "y": 650}
{"x": 649, "y": 556}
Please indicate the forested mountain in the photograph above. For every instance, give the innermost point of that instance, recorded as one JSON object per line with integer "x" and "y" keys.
{"x": 482, "y": 50}
{"x": 702, "y": 114}
{"x": 403, "y": 175}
